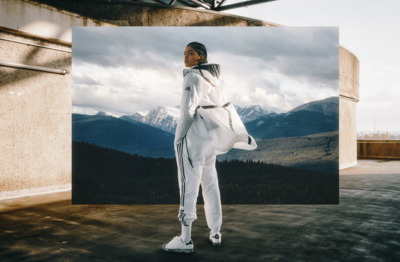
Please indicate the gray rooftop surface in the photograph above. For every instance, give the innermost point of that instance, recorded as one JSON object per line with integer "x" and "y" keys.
{"x": 365, "y": 226}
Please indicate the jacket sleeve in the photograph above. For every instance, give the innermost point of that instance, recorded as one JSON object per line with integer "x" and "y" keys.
{"x": 192, "y": 93}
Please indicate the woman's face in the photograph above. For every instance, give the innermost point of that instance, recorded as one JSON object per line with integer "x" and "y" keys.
{"x": 192, "y": 58}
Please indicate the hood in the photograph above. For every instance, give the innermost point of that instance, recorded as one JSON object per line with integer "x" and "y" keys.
{"x": 209, "y": 71}
{"x": 214, "y": 69}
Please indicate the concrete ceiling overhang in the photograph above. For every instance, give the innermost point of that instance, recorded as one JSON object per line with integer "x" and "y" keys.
{"x": 215, "y": 5}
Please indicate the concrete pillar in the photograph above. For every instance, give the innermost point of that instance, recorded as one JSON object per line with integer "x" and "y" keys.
{"x": 349, "y": 96}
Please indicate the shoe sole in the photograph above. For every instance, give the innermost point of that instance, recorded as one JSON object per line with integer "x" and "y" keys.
{"x": 215, "y": 244}
{"x": 186, "y": 251}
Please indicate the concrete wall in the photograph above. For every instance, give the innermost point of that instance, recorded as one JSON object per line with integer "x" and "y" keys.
{"x": 42, "y": 20}
{"x": 35, "y": 116}
{"x": 35, "y": 107}
{"x": 378, "y": 149}
{"x": 349, "y": 96}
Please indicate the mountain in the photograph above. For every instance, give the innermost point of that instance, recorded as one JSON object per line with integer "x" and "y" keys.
{"x": 311, "y": 118}
{"x": 249, "y": 113}
{"x": 136, "y": 117}
{"x": 115, "y": 133}
{"x": 318, "y": 152}
{"x": 133, "y": 134}
{"x": 164, "y": 118}
{"x": 101, "y": 113}
{"x": 328, "y": 106}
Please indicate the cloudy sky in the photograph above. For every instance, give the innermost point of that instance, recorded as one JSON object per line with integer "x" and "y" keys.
{"x": 370, "y": 30}
{"x": 123, "y": 70}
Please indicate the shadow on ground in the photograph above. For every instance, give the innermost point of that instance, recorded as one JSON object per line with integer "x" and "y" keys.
{"x": 365, "y": 226}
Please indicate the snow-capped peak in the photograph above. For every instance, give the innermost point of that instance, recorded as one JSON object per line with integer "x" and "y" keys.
{"x": 251, "y": 112}
{"x": 166, "y": 118}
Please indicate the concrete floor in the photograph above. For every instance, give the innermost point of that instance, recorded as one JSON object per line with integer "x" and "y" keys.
{"x": 365, "y": 226}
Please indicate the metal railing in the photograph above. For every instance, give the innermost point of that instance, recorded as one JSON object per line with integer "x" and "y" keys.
{"x": 35, "y": 68}
{"x": 378, "y": 149}
{"x": 37, "y": 45}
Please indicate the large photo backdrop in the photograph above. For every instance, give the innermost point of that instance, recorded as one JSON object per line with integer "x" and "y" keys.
{"x": 127, "y": 84}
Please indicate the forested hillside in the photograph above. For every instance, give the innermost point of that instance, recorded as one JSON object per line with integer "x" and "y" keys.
{"x": 105, "y": 176}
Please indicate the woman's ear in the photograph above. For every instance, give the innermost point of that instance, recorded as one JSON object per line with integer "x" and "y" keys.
{"x": 201, "y": 59}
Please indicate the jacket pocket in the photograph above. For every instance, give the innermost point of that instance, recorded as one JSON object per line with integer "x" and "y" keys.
{"x": 201, "y": 127}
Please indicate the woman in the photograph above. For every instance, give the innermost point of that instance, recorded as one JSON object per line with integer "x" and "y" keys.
{"x": 208, "y": 125}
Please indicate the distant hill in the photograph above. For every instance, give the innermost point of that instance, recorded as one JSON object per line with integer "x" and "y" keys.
{"x": 111, "y": 132}
{"x": 312, "y": 118}
{"x": 105, "y": 176}
{"x": 328, "y": 106}
{"x": 314, "y": 152}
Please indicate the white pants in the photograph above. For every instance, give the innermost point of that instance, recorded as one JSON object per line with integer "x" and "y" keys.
{"x": 190, "y": 175}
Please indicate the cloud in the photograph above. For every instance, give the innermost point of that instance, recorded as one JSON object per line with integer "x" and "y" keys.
{"x": 82, "y": 79}
{"x": 124, "y": 91}
{"x": 129, "y": 69}
{"x": 112, "y": 47}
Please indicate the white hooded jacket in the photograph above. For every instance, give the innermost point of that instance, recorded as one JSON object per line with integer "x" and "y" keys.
{"x": 208, "y": 121}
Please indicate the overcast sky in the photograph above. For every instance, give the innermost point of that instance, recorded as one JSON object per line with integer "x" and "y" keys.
{"x": 123, "y": 70}
{"x": 370, "y": 30}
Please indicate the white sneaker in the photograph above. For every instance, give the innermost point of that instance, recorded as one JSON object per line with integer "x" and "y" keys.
{"x": 176, "y": 245}
{"x": 216, "y": 239}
